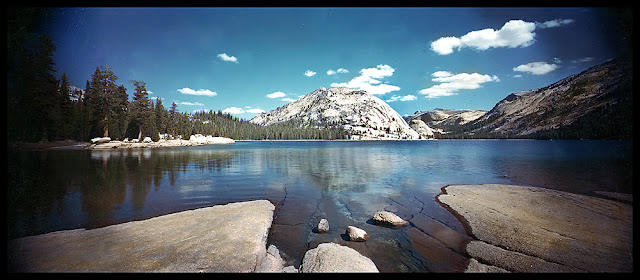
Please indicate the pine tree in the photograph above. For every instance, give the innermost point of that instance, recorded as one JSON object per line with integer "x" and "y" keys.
{"x": 141, "y": 113}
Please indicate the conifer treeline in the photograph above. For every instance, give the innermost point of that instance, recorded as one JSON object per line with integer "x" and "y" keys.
{"x": 42, "y": 108}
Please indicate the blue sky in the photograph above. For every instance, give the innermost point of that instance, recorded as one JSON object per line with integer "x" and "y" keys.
{"x": 248, "y": 60}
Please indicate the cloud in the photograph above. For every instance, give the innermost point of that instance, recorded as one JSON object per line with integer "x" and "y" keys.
{"x": 331, "y": 72}
{"x": 233, "y": 111}
{"x": 402, "y": 98}
{"x": 226, "y": 57}
{"x": 450, "y": 84}
{"x": 287, "y": 99}
{"x": 191, "y": 104}
{"x": 554, "y": 23}
{"x": 204, "y": 92}
{"x": 514, "y": 33}
{"x": 309, "y": 73}
{"x": 583, "y": 59}
{"x": 536, "y": 68}
{"x": 277, "y": 94}
{"x": 368, "y": 80}
{"x": 255, "y": 111}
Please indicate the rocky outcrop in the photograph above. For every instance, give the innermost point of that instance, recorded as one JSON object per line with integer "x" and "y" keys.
{"x": 331, "y": 257}
{"x": 365, "y": 116}
{"x": 388, "y": 219}
{"x": 422, "y": 129}
{"x": 221, "y": 238}
{"x": 530, "y": 229}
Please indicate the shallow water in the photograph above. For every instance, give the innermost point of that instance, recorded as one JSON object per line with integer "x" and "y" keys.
{"x": 343, "y": 181}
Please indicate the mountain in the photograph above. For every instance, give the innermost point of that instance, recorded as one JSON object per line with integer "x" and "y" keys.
{"x": 365, "y": 116}
{"x": 595, "y": 104}
{"x": 443, "y": 120}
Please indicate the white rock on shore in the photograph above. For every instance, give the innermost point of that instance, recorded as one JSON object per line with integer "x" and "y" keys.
{"x": 195, "y": 140}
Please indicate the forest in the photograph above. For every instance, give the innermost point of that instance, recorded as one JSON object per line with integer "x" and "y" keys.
{"x": 41, "y": 107}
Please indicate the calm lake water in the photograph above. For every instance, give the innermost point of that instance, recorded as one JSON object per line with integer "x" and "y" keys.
{"x": 343, "y": 181}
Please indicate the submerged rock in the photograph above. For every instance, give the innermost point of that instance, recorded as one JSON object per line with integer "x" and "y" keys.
{"x": 356, "y": 234}
{"x": 331, "y": 257}
{"x": 388, "y": 219}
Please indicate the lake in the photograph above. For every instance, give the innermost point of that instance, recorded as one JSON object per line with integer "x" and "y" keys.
{"x": 345, "y": 182}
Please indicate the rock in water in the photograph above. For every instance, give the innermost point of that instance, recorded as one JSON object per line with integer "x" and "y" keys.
{"x": 388, "y": 219}
{"x": 331, "y": 257}
{"x": 323, "y": 226}
{"x": 356, "y": 234}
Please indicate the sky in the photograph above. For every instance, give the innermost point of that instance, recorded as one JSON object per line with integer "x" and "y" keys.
{"x": 250, "y": 60}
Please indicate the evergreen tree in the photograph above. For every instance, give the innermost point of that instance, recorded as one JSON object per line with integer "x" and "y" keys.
{"x": 140, "y": 108}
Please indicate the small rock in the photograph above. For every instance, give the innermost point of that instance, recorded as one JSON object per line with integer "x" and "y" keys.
{"x": 323, "y": 226}
{"x": 388, "y": 219}
{"x": 147, "y": 140}
{"x": 356, "y": 234}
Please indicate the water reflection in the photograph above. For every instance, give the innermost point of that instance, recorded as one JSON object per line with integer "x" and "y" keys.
{"x": 56, "y": 190}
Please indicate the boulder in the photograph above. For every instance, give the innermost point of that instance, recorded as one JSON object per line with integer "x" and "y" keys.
{"x": 323, "y": 226}
{"x": 100, "y": 140}
{"x": 272, "y": 261}
{"x": 388, "y": 219}
{"x": 331, "y": 257}
{"x": 356, "y": 234}
{"x": 147, "y": 140}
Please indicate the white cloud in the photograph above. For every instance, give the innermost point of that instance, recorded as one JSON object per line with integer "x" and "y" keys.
{"x": 331, "y": 72}
{"x": 536, "y": 68}
{"x": 226, "y": 57}
{"x": 554, "y": 23}
{"x": 514, "y": 33}
{"x": 401, "y": 98}
{"x": 287, "y": 99}
{"x": 191, "y": 103}
{"x": 204, "y": 92}
{"x": 255, "y": 111}
{"x": 233, "y": 111}
{"x": 309, "y": 73}
{"x": 368, "y": 80}
{"x": 583, "y": 59}
{"x": 277, "y": 94}
{"x": 450, "y": 84}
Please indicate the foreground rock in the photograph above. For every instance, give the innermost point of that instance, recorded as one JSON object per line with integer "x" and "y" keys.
{"x": 529, "y": 229}
{"x": 331, "y": 257}
{"x": 356, "y": 234}
{"x": 221, "y": 238}
{"x": 388, "y": 219}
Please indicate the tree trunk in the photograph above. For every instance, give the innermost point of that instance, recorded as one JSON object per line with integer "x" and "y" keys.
{"x": 106, "y": 125}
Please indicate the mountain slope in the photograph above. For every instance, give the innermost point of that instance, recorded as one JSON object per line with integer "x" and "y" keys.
{"x": 365, "y": 116}
{"x": 596, "y": 103}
